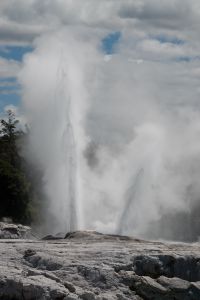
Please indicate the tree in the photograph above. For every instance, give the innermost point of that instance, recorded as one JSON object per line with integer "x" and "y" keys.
{"x": 9, "y": 135}
{"x": 9, "y": 127}
{"x": 14, "y": 185}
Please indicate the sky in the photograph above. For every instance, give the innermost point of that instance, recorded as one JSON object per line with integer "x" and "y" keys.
{"x": 131, "y": 69}
{"x": 14, "y": 46}
{"x": 151, "y": 31}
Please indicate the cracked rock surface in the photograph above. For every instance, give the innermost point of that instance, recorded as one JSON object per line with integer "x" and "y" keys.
{"x": 14, "y": 231}
{"x": 93, "y": 266}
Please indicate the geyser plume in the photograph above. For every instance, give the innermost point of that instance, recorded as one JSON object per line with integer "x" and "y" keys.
{"x": 69, "y": 206}
{"x": 119, "y": 152}
{"x": 55, "y": 102}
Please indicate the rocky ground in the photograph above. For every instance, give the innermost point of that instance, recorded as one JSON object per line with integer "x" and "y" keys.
{"x": 92, "y": 266}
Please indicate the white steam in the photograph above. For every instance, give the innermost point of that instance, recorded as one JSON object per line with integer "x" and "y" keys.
{"x": 136, "y": 135}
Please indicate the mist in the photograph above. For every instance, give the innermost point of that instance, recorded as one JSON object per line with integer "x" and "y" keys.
{"x": 132, "y": 153}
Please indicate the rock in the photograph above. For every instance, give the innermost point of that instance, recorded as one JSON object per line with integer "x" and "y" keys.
{"x": 165, "y": 288}
{"x": 42, "y": 262}
{"x": 195, "y": 290}
{"x": 94, "y": 235}
{"x": 121, "y": 297}
{"x": 35, "y": 287}
{"x": 90, "y": 234}
{"x": 69, "y": 286}
{"x": 14, "y": 231}
{"x": 50, "y": 237}
{"x": 71, "y": 297}
{"x": 125, "y": 267}
{"x": 92, "y": 266}
{"x": 57, "y": 236}
{"x": 34, "y": 272}
{"x": 184, "y": 267}
{"x": 126, "y": 277}
{"x": 147, "y": 287}
{"x": 29, "y": 252}
{"x": 148, "y": 266}
{"x": 174, "y": 284}
{"x": 88, "y": 296}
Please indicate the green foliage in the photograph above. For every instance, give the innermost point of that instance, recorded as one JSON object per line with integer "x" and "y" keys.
{"x": 14, "y": 190}
{"x": 9, "y": 127}
{"x": 15, "y": 200}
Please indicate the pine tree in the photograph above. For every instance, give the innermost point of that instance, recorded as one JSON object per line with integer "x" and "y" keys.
{"x": 14, "y": 186}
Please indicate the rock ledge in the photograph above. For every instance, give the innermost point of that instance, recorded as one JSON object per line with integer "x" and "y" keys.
{"x": 93, "y": 266}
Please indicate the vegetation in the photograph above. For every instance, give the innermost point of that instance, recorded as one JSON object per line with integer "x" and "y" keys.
{"x": 16, "y": 190}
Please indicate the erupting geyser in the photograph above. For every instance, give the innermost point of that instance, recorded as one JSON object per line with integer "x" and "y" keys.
{"x": 57, "y": 137}
{"x": 118, "y": 154}
{"x": 68, "y": 208}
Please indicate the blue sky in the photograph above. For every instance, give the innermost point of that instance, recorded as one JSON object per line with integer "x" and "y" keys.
{"x": 9, "y": 92}
{"x": 10, "y": 89}
{"x": 166, "y": 39}
{"x": 14, "y": 52}
{"x": 152, "y": 20}
{"x": 110, "y": 41}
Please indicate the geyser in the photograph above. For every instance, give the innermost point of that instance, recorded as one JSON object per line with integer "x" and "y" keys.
{"x": 69, "y": 207}
{"x": 120, "y": 154}
{"x": 55, "y": 109}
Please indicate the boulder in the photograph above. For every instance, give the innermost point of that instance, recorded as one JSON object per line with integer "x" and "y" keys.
{"x": 14, "y": 231}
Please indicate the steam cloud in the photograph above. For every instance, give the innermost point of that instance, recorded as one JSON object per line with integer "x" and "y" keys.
{"x": 136, "y": 127}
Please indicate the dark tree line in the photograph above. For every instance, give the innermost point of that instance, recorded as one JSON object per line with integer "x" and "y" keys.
{"x": 19, "y": 198}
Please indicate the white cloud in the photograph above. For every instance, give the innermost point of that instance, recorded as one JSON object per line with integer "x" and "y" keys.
{"x": 21, "y": 21}
{"x": 9, "y": 68}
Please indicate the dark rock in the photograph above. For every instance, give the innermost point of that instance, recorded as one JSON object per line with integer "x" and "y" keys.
{"x": 195, "y": 290}
{"x": 126, "y": 277}
{"x": 148, "y": 266}
{"x": 147, "y": 287}
{"x": 29, "y": 252}
{"x": 185, "y": 267}
{"x": 31, "y": 288}
{"x": 88, "y": 296}
{"x": 43, "y": 262}
{"x": 71, "y": 297}
{"x": 50, "y": 237}
{"x": 94, "y": 235}
{"x": 70, "y": 286}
